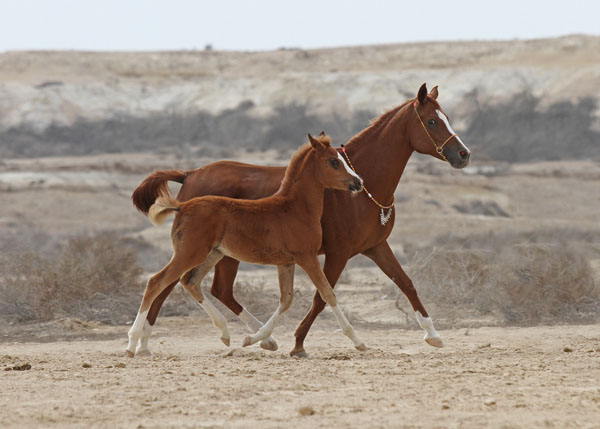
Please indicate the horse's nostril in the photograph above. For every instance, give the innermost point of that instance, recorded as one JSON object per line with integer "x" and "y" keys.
{"x": 463, "y": 154}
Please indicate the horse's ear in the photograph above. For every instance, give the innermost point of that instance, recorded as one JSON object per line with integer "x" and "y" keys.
{"x": 316, "y": 144}
{"x": 422, "y": 95}
{"x": 434, "y": 93}
{"x": 322, "y": 133}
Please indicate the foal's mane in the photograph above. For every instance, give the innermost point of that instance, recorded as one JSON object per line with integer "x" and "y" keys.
{"x": 384, "y": 119}
{"x": 297, "y": 164}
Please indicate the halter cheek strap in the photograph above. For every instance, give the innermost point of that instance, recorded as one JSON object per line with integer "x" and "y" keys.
{"x": 438, "y": 149}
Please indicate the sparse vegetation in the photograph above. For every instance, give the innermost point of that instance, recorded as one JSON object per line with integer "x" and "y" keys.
{"x": 522, "y": 278}
{"x": 93, "y": 278}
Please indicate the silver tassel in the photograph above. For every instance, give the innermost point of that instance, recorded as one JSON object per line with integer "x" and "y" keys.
{"x": 385, "y": 217}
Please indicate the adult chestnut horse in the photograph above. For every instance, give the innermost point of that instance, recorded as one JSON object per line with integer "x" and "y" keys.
{"x": 283, "y": 229}
{"x": 351, "y": 226}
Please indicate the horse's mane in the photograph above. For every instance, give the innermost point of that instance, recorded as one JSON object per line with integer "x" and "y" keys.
{"x": 297, "y": 163}
{"x": 384, "y": 119}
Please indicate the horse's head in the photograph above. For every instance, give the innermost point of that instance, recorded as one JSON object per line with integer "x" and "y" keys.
{"x": 430, "y": 131}
{"x": 332, "y": 171}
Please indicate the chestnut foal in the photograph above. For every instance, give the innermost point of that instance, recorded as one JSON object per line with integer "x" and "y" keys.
{"x": 283, "y": 230}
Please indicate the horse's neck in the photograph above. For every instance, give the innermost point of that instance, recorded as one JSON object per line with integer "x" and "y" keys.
{"x": 380, "y": 156}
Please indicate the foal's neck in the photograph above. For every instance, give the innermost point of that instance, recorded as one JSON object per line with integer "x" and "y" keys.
{"x": 380, "y": 153}
{"x": 299, "y": 185}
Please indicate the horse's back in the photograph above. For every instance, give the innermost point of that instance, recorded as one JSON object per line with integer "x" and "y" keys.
{"x": 232, "y": 179}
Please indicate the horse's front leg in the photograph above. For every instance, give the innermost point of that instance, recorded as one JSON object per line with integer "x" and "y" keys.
{"x": 384, "y": 257}
{"x": 286, "y": 290}
{"x": 310, "y": 264}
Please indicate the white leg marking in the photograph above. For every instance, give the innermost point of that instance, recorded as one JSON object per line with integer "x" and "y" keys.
{"x": 265, "y": 331}
{"x": 217, "y": 318}
{"x": 136, "y": 331}
{"x": 253, "y": 325}
{"x": 142, "y": 348}
{"x": 348, "y": 169}
{"x": 347, "y": 328}
{"x": 431, "y": 335}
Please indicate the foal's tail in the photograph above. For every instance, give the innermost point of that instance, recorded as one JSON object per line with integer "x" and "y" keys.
{"x": 164, "y": 205}
{"x": 153, "y": 186}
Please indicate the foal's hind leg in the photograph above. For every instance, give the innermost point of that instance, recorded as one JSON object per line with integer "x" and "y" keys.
{"x": 155, "y": 286}
{"x": 312, "y": 267}
{"x": 191, "y": 282}
{"x": 222, "y": 289}
{"x": 385, "y": 259}
{"x": 286, "y": 289}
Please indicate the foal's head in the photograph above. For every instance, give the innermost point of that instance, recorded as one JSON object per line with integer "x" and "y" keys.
{"x": 431, "y": 132}
{"x": 332, "y": 171}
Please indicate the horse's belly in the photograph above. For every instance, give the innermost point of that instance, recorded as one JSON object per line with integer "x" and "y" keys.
{"x": 257, "y": 254}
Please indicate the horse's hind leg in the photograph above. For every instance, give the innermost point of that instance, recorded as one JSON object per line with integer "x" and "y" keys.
{"x": 286, "y": 289}
{"x": 191, "y": 282}
{"x": 384, "y": 257}
{"x": 312, "y": 267}
{"x": 222, "y": 289}
{"x": 157, "y": 283}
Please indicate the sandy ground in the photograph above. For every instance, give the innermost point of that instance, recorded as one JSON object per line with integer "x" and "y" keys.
{"x": 486, "y": 377}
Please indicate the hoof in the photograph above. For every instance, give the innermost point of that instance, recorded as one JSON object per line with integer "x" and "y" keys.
{"x": 269, "y": 344}
{"x": 435, "y": 342}
{"x": 361, "y": 347}
{"x": 129, "y": 353}
{"x": 145, "y": 352}
{"x": 247, "y": 342}
{"x": 226, "y": 341}
{"x": 299, "y": 353}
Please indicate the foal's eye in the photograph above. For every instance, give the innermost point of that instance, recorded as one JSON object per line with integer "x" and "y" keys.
{"x": 432, "y": 122}
{"x": 334, "y": 163}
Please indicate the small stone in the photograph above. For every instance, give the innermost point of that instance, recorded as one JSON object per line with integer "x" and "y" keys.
{"x": 120, "y": 365}
{"x": 489, "y": 402}
{"x": 24, "y": 367}
{"x": 86, "y": 365}
{"x": 484, "y": 346}
{"x": 306, "y": 411}
{"x": 445, "y": 407}
{"x": 567, "y": 350}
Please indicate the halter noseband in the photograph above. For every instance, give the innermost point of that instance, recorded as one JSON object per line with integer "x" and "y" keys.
{"x": 438, "y": 149}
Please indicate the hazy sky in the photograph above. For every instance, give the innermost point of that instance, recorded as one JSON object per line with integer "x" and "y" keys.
{"x": 270, "y": 24}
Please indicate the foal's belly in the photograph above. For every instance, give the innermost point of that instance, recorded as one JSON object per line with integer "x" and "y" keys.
{"x": 257, "y": 254}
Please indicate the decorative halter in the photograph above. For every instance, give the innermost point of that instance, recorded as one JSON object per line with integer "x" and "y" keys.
{"x": 438, "y": 149}
{"x": 383, "y": 217}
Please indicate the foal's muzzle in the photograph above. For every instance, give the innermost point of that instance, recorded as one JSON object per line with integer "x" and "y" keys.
{"x": 355, "y": 185}
{"x": 459, "y": 158}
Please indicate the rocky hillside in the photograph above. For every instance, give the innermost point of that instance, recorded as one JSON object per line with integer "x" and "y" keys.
{"x": 60, "y": 89}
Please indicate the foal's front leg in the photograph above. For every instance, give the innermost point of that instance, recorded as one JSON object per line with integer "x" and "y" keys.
{"x": 312, "y": 267}
{"x": 286, "y": 289}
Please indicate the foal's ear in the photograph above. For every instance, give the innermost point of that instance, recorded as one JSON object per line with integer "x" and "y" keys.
{"x": 316, "y": 144}
{"x": 434, "y": 93}
{"x": 422, "y": 95}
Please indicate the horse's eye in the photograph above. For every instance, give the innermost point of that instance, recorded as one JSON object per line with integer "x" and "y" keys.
{"x": 432, "y": 122}
{"x": 334, "y": 163}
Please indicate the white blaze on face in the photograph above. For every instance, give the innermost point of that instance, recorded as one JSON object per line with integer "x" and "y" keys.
{"x": 348, "y": 169}
{"x": 445, "y": 121}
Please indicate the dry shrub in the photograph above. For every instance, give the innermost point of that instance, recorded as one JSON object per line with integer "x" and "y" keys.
{"x": 523, "y": 283}
{"x": 93, "y": 278}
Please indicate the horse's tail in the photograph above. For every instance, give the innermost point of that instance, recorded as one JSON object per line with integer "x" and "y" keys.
{"x": 154, "y": 185}
{"x": 164, "y": 205}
